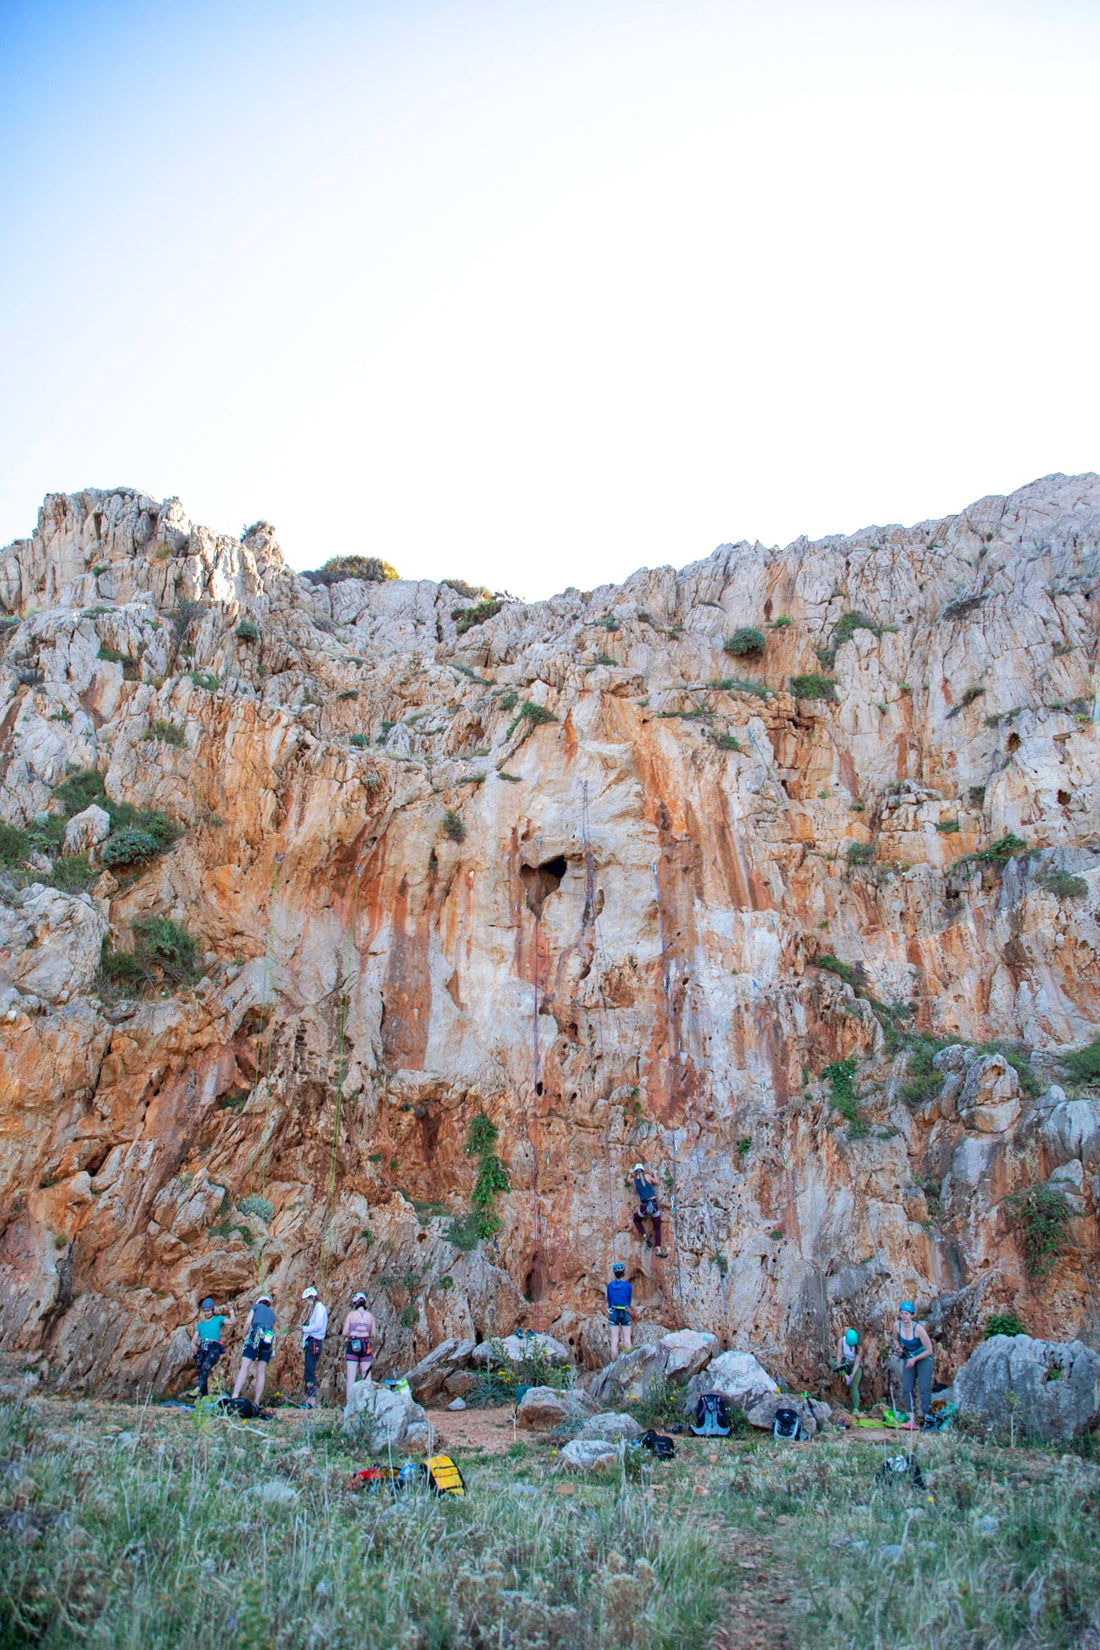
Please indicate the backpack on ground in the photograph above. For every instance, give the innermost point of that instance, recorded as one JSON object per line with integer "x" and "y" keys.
{"x": 712, "y": 1416}
{"x": 900, "y": 1470}
{"x": 443, "y": 1476}
{"x": 787, "y": 1424}
{"x": 244, "y": 1407}
{"x": 661, "y": 1447}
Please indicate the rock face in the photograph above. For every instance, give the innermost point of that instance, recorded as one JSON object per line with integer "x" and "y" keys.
{"x": 1049, "y": 1389}
{"x": 720, "y": 892}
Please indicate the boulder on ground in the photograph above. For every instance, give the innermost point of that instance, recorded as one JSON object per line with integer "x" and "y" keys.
{"x": 514, "y": 1348}
{"x": 542, "y": 1408}
{"x": 381, "y": 1416}
{"x": 461, "y": 1383}
{"x": 430, "y": 1375}
{"x": 1047, "y": 1389}
{"x": 613, "y": 1427}
{"x": 590, "y": 1455}
{"x": 634, "y": 1375}
{"x": 737, "y": 1376}
{"x": 812, "y": 1412}
{"x": 687, "y": 1351}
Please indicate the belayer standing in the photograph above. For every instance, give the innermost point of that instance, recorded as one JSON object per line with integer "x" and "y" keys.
{"x": 915, "y": 1346}
{"x": 849, "y": 1363}
{"x": 648, "y": 1206}
{"x": 259, "y": 1344}
{"x": 207, "y": 1343}
{"x": 358, "y": 1332}
{"x": 314, "y": 1330}
{"x": 620, "y": 1293}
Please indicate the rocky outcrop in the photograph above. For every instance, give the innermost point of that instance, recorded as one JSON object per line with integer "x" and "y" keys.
{"x": 382, "y": 1418}
{"x": 723, "y": 895}
{"x": 1042, "y": 1389}
{"x": 545, "y": 1408}
{"x": 739, "y": 1379}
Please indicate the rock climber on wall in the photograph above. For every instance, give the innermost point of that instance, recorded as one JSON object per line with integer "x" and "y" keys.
{"x": 648, "y": 1207}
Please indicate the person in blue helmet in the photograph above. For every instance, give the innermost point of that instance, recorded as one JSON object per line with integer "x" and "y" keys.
{"x": 848, "y": 1363}
{"x": 915, "y": 1349}
{"x": 620, "y": 1293}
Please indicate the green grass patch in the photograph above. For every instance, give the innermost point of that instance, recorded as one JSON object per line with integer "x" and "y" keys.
{"x": 746, "y": 643}
{"x": 164, "y": 954}
{"x": 1041, "y": 1215}
{"x": 814, "y": 687}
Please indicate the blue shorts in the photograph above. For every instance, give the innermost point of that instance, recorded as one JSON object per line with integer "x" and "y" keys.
{"x": 619, "y": 1317}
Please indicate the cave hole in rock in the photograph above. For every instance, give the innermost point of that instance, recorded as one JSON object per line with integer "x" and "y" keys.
{"x": 541, "y": 881}
{"x": 1063, "y": 799}
{"x": 1014, "y": 741}
{"x": 532, "y": 1287}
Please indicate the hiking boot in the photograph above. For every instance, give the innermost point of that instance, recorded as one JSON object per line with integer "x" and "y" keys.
{"x": 662, "y": 1254}
{"x": 649, "y": 1243}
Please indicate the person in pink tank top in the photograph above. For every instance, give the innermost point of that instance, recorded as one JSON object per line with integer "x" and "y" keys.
{"x": 359, "y": 1329}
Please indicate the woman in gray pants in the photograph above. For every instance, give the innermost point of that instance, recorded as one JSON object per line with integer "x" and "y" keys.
{"x": 916, "y": 1370}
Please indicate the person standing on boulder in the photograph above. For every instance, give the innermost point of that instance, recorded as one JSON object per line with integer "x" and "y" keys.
{"x": 648, "y": 1207}
{"x": 259, "y": 1344}
{"x": 358, "y": 1330}
{"x": 207, "y": 1343}
{"x": 620, "y": 1293}
{"x": 915, "y": 1347}
{"x": 314, "y": 1331}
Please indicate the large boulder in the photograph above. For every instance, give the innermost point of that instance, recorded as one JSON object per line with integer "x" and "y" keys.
{"x": 381, "y": 1417}
{"x": 613, "y": 1427}
{"x": 515, "y": 1348}
{"x": 632, "y": 1375}
{"x": 86, "y": 830}
{"x": 544, "y": 1408}
{"x": 432, "y": 1373}
{"x": 737, "y": 1376}
{"x": 990, "y": 1099}
{"x": 590, "y": 1455}
{"x": 1071, "y": 1129}
{"x": 686, "y": 1352}
{"x": 50, "y": 943}
{"x": 1047, "y": 1389}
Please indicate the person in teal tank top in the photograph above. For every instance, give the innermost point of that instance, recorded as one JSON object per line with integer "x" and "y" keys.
{"x": 915, "y": 1347}
{"x": 207, "y": 1343}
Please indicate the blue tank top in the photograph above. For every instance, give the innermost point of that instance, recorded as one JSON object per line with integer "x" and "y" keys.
{"x": 911, "y": 1349}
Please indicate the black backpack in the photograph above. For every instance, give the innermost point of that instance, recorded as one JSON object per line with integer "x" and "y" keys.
{"x": 712, "y": 1416}
{"x": 244, "y": 1407}
{"x": 787, "y": 1424}
{"x": 663, "y": 1448}
{"x": 900, "y": 1471}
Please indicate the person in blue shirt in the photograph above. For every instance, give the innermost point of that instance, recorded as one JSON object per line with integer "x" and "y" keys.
{"x": 620, "y": 1293}
{"x": 207, "y": 1343}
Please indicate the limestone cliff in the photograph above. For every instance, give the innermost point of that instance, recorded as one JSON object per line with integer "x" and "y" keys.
{"x": 754, "y": 892}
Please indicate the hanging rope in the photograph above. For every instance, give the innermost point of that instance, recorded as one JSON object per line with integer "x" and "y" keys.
{"x": 533, "y": 1129}
{"x": 591, "y": 915}
{"x": 343, "y": 1003}
{"x": 268, "y": 986}
{"x": 673, "y": 1031}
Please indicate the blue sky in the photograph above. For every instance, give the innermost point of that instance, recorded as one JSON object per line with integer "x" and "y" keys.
{"x": 538, "y": 293}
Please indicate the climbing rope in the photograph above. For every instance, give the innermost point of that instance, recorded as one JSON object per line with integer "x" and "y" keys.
{"x": 269, "y": 969}
{"x": 533, "y": 1121}
{"x": 673, "y": 1030}
{"x": 598, "y": 947}
{"x": 343, "y": 1003}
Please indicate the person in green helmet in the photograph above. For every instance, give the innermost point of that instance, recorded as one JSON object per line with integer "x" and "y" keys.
{"x": 849, "y": 1364}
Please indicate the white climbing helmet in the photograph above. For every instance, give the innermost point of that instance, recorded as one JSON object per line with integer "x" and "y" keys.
{"x": 309, "y": 1294}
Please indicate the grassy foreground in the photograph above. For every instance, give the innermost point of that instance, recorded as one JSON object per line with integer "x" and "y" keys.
{"x": 148, "y": 1528}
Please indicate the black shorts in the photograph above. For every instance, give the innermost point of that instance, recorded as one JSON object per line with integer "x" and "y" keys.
{"x": 619, "y": 1317}
{"x": 258, "y": 1353}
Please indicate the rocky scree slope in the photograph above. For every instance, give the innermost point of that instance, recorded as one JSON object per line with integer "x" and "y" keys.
{"x": 786, "y": 839}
